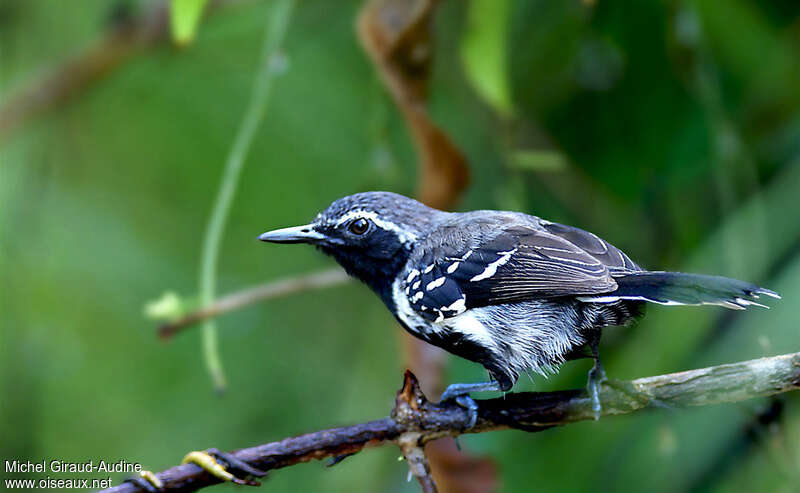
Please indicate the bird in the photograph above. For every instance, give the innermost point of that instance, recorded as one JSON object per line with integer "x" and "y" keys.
{"x": 510, "y": 291}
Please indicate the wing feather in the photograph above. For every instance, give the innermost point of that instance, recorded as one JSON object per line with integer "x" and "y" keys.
{"x": 517, "y": 264}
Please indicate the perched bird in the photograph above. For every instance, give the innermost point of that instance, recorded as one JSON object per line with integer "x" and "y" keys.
{"x": 510, "y": 291}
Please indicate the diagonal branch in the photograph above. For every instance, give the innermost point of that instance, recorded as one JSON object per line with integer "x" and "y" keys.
{"x": 248, "y": 296}
{"x": 415, "y": 421}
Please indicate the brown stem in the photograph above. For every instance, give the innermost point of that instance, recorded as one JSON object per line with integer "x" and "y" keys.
{"x": 266, "y": 291}
{"x": 416, "y": 421}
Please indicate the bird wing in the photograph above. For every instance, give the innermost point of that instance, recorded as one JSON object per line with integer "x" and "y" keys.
{"x": 519, "y": 263}
{"x": 612, "y": 257}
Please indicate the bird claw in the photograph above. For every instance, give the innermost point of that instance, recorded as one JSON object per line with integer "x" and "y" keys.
{"x": 471, "y": 406}
{"x": 460, "y": 393}
{"x": 209, "y": 461}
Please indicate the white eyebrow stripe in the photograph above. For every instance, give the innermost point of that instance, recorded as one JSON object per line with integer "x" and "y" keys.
{"x": 404, "y": 235}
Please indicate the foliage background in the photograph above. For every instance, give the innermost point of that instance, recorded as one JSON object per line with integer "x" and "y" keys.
{"x": 670, "y": 128}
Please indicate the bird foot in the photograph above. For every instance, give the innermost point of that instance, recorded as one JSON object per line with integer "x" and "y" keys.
{"x": 210, "y": 459}
{"x": 460, "y": 392}
{"x": 471, "y": 406}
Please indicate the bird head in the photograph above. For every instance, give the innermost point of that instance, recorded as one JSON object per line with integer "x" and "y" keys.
{"x": 369, "y": 234}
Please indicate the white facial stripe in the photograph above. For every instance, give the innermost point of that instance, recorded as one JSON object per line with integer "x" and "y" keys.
{"x": 403, "y": 235}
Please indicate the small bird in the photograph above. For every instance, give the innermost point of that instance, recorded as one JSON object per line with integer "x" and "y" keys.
{"x": 513, "y": 292}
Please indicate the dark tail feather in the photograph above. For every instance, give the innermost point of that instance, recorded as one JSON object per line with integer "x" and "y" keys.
{"x": 676, "y": 288}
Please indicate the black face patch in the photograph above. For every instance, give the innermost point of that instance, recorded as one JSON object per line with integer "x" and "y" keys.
{"x": 374, "y": 258}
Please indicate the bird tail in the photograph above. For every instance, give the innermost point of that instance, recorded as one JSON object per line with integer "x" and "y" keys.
{"x": 676, "y": 288}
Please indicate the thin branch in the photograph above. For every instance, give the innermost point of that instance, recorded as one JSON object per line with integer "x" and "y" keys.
{"x": 125, "y": 37}
{"x": 248, "y": 296}
{"x": 276, "y": 28}
{"x": 416, "y": 421}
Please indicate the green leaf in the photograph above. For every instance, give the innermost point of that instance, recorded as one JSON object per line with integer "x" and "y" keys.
{"x": 184, "y": 18}
{"x": 483, "y": 51}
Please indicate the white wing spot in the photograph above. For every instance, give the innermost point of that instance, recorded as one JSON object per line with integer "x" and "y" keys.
{"x": 491, "y": 269}
{"x": 428, "y": 269}
{"x": 435, "y": 283}
{"x": 411, "y": 275}
{"x": 453, "y": 267}
{"x": 415, "y": 286}
{"x": 458, "y": 306}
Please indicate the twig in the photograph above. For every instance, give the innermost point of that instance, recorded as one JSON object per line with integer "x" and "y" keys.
{"x": 125, "y": 37}
{"x": 248, "y": 296}
{"x": 276, "y": 28}
{"x": 417, "y": 421}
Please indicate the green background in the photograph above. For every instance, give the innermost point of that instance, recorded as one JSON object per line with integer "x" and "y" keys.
{"x": 671, "y": 128}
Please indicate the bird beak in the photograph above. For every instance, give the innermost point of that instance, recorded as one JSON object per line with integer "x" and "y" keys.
{"x": 297, "y": 234}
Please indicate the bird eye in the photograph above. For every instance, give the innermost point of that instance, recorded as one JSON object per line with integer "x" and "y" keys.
{"x": 359, "y": 226}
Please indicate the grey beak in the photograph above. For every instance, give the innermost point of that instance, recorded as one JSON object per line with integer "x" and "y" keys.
{"x": 296, "y": 234}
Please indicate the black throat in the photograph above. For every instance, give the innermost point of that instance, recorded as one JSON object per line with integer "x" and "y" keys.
{"x": 378, "y": 273}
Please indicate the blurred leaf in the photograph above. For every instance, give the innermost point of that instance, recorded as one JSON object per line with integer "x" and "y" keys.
{"x": 483, "y": 51}
{"x": 184, "y": 18}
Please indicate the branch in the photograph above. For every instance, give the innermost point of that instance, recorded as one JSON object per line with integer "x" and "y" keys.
{"x": 126, "y": 36}
{"x": 415, "y": 421}
{"x": 266, "y": 291}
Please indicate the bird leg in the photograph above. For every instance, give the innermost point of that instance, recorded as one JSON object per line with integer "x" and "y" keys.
{"x": 460, "y": 392}
{"x": 597, "y": 375}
